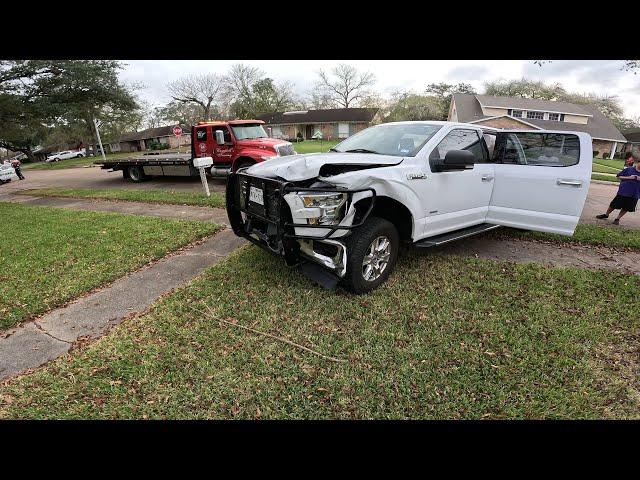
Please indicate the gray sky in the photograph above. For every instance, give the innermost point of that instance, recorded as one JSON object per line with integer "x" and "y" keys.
{"x": 604, "y": 77}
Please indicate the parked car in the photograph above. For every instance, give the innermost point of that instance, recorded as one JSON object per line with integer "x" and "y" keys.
{"x": 342, "y": 215}
{"x": 7, "y": 173}
{"x": 55, "y": 157}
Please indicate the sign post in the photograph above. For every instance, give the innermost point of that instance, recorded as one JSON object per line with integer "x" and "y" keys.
{"x": 177, "y": 131}
{"x": 95, "y": 124}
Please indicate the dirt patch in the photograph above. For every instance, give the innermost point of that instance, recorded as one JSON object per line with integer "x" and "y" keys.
{"x": 546, "y": 253}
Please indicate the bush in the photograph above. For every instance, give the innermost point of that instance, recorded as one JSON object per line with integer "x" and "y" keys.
{"x": 595, "y": 153}
{"x": 158, "y": 146}
{"x": 605, "y": 154}
{"x": 299, "y": 136}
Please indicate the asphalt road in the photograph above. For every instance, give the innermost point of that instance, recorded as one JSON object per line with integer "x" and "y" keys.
{"x": 93, "y": 177}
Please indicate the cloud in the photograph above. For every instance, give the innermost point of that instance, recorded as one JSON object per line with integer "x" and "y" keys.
{"x": 467, "y": 72}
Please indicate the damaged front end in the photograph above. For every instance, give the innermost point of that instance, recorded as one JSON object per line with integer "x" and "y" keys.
{"x": 301, "y": 221}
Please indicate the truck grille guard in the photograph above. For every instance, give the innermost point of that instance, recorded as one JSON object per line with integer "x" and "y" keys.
{"x": 274, "y": 215}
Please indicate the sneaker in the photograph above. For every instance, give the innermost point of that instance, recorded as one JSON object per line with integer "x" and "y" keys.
{"x": 602, "y": 215}
{"x": 616, "y": 221}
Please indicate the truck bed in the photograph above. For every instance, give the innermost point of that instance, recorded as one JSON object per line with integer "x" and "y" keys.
{"x": 152, "y": 159}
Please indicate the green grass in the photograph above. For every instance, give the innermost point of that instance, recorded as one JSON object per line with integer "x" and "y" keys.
{"x": 151, "y": 196}
{"x": 315, "y": 146}
{"x": 70, "y": 163}
{"x": 445, "y": 337}
{"x": 50, "y": 256}
{"x": 614, "y": 237}
{"x": 604, "y": 169}
{"x": 604, "y": 178}
{"x": 616, "y": 164}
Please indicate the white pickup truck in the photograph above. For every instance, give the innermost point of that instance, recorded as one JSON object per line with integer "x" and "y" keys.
{"x": 342, "y": 215}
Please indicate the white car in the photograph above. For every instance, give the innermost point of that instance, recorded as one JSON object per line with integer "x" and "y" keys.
{"x": 7, "y": 173}
{"x": 424, "y": 183}
{"x": 55, "y": 157}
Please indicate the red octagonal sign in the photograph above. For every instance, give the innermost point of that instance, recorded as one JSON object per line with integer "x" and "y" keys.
{"x": 177, "y": 130}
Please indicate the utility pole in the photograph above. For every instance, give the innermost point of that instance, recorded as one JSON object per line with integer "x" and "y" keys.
{"x": 95, "y": 124}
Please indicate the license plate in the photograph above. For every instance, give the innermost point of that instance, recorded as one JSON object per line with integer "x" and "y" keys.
{"x": 256, "y": 195}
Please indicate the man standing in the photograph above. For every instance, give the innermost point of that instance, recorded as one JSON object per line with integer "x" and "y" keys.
{"x": 628, "y": 191}
{"x": 16, "y": 166}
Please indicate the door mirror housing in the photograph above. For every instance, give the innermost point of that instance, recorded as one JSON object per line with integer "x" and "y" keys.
{"x": 454, "y": 160}
{"x": 219, "y": 137}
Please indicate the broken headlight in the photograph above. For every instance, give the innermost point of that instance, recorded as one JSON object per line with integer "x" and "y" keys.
{"x": 329, "y": 207}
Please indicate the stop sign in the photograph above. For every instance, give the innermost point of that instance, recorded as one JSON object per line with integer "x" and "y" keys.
{"x": 177, "y": 130}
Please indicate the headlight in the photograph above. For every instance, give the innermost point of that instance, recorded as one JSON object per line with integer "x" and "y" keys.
{"x": 328, "y": 205}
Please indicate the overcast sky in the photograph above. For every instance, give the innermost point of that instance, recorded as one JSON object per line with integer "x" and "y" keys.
{"x": 604, "y": 77}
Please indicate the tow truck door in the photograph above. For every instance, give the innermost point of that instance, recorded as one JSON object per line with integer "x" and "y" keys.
{"x": 222, "y": 154}
{"x": 203, "y": 142}
{"x": 541, "y": 180}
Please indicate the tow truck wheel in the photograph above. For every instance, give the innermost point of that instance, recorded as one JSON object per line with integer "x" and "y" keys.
{"x": 372, "y": 253}
{"x": 137, "y": 174}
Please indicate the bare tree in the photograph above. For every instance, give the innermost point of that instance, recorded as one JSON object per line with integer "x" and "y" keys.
{"x": 203, "y": 90}
{"x": 348, "y": 85}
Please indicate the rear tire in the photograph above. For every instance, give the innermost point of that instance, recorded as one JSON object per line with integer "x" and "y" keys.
{"x": 372, "y": 251}
{"x": 136, "y": 174}
{"x": 79, "y": 155}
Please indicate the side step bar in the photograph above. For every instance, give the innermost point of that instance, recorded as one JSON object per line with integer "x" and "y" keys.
{"x": 451, "y": 236}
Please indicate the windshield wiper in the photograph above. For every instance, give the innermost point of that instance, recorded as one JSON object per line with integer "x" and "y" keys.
{"x": 360, "y": 150}
{"x": 333, "y": 150}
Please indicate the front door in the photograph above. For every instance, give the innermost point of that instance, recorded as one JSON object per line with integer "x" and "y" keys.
{"x": 459, "y": 198}
{"x": 308, "y": 132}
{"x": 541, "y": 180}
{"x": 222, "y": 154}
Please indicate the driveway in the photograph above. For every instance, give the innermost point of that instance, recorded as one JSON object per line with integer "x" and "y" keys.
{"x": 93, "y": 177}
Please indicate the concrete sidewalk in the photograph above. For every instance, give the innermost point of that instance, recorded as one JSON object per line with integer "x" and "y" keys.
{"x": 34, "y": 343}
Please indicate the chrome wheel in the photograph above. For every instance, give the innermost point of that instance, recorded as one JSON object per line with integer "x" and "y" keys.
{"x": 376, "y": 259}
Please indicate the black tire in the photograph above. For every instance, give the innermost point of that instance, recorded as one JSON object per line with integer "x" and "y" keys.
{"x": 136, "y": 174}
{"x": 358, "y": 244}
{"x": 79, "y": 155}
{"x": 242, "y": 163}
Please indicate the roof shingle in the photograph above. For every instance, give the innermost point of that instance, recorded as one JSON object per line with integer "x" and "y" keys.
{"x": 320, "y": 116}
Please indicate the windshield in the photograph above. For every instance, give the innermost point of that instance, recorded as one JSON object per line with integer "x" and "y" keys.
{"x": 243, "y": 132}
{"x": 401, "y": 140}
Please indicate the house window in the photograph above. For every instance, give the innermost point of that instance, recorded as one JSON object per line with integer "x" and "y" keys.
{"x": 554, "y": 116}
{"x": 343, "y": 130}
{"x": 276, "y": 132}
{"x": 516, "y": 113}
{"x": 537, "y": 115}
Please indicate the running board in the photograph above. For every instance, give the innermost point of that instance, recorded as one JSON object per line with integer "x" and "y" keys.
{"x": 451, "y": 236}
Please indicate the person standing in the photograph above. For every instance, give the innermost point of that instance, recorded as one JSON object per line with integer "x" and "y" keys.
{"x": 16, "y": 166}
{"x": 628, "y": 159}
{"x": 628, "y": 191}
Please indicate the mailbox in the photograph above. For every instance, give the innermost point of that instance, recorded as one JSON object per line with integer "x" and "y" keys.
{"x": 202, "y": 162}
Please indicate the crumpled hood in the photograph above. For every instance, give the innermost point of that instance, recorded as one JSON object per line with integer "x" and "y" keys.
{"x": 305, "y": 166}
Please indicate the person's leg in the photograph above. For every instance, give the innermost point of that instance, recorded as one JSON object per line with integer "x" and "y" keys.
{"x": 620, "y": 215}
{"x": 605, "y": 215}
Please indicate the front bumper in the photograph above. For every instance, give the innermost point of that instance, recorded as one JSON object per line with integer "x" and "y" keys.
{"x": 271, "y": 227}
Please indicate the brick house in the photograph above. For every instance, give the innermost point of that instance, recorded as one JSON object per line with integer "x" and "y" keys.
{"x": 333, "y": 123}
{"x": 138, "y": 141}
{"x": 534, "y": 114}
{"x": 633, "y": 139}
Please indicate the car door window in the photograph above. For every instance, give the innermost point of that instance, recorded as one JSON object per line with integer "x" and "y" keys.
{"x": 460, "y": 139}
{"x": 227, "y": 135}
{"x": 540, "y": 149}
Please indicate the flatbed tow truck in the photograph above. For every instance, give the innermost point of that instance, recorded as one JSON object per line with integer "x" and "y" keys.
{"x": 231, "y": 144}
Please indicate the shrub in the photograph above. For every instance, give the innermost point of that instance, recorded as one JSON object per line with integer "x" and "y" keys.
{"x": 299, "y": 136}
{"x": 595, "y": 153}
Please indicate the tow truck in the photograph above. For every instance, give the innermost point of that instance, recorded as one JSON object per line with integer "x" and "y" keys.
{"x": 232, "y": 145}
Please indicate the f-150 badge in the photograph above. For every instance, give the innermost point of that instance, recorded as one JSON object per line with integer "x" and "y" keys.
{"x": 416, "y": 176}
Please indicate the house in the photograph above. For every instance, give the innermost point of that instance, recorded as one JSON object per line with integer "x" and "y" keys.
{"x": 137, "y": 141}
{"x": 333, "y": 123}
{"x": 528, "y": 113}
{"x": 633, "y": 139}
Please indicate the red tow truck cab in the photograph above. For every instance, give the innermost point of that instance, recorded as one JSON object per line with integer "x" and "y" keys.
{"x": 235, "y": 144}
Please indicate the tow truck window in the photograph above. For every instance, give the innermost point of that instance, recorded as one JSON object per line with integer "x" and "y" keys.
{"x": 201, "y": 134}
{"x": 227, "y": 134}
{"x": 248, "y": 131}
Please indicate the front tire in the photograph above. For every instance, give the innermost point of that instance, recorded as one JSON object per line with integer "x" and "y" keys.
{"x": 372, "y": 254}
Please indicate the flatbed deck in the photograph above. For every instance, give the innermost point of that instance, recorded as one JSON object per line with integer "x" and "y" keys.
{"x": 152, "y": 159}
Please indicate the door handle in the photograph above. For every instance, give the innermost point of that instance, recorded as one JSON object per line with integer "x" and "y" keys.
{"x": 572, "y": 183}
{"x": 487, "y": 178}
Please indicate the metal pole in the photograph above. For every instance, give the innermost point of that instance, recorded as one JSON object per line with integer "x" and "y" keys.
{"x": 95, "y": 124}
{"x": 203, "y": 177}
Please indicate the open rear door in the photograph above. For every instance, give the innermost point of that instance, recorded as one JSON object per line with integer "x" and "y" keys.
{"x": 541, "y": 179}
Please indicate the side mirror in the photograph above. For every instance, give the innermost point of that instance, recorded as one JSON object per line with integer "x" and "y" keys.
{"x": 459, "y": 159}
{"x": 219, "y": 137}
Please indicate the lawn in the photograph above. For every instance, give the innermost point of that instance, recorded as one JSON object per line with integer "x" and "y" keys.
{"x": 151, "y": 196}
{"x": 50, "y": 256}
{"x": 70, "y": 163}
{"x": 604, "y": 178}
{"x": 615, "y": 164}
{"x": 315, "y": 146}
{"x": 614, "y": 237}
{"x": 604, "y": 169}
{"x": 445, "y": 337}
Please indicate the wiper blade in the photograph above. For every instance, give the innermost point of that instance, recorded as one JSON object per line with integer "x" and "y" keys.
{"x": 333, "y": 150}
{"x": 360, "y": 150}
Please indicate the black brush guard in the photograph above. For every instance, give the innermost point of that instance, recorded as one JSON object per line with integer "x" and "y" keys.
{"x": 280, "y": 238}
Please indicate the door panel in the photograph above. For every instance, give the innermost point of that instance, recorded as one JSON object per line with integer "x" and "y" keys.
{"x": 541, "y": 180}
{"x": 459, "y": 198}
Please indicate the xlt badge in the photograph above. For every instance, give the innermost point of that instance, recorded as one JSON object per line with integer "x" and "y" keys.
{"x": 416, "y": 176}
